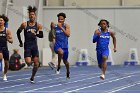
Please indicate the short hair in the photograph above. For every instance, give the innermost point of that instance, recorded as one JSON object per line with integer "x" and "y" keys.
{"x": 32, "y": 9}
{"x": 105, "y": 21}
{"x": 5, "y": 18}
{"x": 61, "y": 14}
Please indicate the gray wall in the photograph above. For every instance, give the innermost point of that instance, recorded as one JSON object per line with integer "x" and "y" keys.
{"x": 1, "y": 6}
{"x": 93, "y": 2}
{"x": 24, "y": 2}
{"x": 83, "y": 23}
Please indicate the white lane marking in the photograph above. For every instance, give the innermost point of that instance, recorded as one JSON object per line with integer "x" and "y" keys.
{"x": 94, "y": 82}
{"x": 9, "y": 76}
{"x": 21, "y": 79}
{"x": 59, "y": 84}
{"x": 62, "y": 84}
{"x": 122, "y": 87}
{"x": 49, "y": 80}
{"x": 98, "y": 84}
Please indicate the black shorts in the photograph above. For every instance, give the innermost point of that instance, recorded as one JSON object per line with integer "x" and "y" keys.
{"x": 5, "y": 52}
{"x": 31, "y": 51}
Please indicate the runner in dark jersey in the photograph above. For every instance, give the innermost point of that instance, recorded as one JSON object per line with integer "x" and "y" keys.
{"x": 32, "y": 30}
{"x": 5, "y": 35}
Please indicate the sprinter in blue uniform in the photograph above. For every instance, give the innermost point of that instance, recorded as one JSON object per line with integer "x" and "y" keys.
{"x": 102, "y": 37}
{"x": 32, "y": 30}
{"x": 5, "y": 35}
{"x": 62, "y": 33}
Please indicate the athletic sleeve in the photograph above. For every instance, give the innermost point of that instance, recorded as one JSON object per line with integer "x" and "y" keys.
{"x": 95, "y": 38}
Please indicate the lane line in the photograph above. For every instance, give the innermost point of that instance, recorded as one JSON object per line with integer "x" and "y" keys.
{"x": 64, "y": 83}
{"x": 123, "y": 87}
{"x": 59, "y": 84}
{"x": 93, "y": 82}
{"x": 75, "y": 90}
{"x": 84, "y": 75}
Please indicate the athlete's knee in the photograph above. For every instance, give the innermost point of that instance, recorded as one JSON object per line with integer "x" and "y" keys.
{"x": 28, "y": 60}
{"x": 6, "y": 63}
{"x": 105, "y": 58}
{"x": 66, "y": 62}
{"x": 1, "y": 56}
{"x": 60, "y": 52}
{"x": 36, "y": 64}
{"x": 36, "y": 59}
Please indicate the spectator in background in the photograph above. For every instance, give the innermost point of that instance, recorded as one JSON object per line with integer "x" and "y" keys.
{"x": 15, "y": 62}
{"x": 51, "y": 38}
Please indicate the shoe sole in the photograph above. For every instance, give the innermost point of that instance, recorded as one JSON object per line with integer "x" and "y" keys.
{"x": 32, "y": 82}
{"x": 57, "y": 73}
{"x": 4, "y": 79}
{"x": 68, "y": 78}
